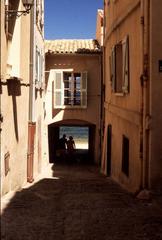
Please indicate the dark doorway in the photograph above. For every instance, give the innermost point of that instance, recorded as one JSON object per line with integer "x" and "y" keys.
{"x": 109, "y": 140}
{"x": 125, "y": 156}
{"x": 53, "y": 136}
{"x": 92, "y": 130}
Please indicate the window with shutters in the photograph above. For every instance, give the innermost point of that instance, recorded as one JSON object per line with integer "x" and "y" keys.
{"x": 38, "y": 69}
{"x": 11, "y": 21}
{"x": 70, "y": 89}
{"x": 39, "y": 14}
{"x": 119, "y": 67}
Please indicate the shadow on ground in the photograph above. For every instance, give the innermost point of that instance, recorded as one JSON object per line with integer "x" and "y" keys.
{"x": 78, "y": 203}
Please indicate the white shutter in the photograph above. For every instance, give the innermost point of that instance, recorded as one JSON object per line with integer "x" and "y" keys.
{"x": 39, "y": 67}
{"x": 84, "y": 89}
{"x": 125, "y": 47}
{"x": 113, "y": 69}
{"x": 36, "y": 65}
{"x": 42, "y": 72}
{"x": 58, "y": 89}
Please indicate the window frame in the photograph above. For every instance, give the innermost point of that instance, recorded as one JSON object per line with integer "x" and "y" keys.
{"x": 125, "y": 78}
{"x": 61, "y": 90}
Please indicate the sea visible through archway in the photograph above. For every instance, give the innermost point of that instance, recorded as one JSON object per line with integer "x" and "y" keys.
{"x": 79, "y": 134}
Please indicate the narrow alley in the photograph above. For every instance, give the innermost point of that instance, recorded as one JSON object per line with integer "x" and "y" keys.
{"x": 78, "y": 203}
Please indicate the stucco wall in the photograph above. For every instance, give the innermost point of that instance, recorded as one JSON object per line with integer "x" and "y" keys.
{"x": 155, "y": 93}
{"x": 91, "y": 114}
{"x": 15, "y": 60}
{"x": 122, "y": 111}
{"x": 41, "y": 153}
{"x": 14, "y": 108}
{"x": 3, "y": 42}
{"x": 99, "y": 27}
{"x": 137, "y": 19}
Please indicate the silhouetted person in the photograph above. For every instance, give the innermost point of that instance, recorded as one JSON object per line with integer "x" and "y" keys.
{"x": 71, "y": 149}
{"x": 63, "y": 142}
{"x": 62, "y": 146}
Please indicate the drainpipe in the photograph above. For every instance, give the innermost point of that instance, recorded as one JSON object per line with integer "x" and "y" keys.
{"x": 32, "y": 65}
{"x": 31, "y": 122}
{"x": 145, "y": 106}
{"x": 101, "y": 111}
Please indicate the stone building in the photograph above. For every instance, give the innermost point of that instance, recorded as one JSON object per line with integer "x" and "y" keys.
{"x": 21, "y": 81}
{"x": 132, "y": 147}
{"x": 73, "y": 90}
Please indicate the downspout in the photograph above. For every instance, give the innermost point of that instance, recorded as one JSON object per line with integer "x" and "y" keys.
{"x": 101, "y": 111}
{"x": 145, "y": 116}
{"x": 31, "y": 121}
{"x": 103, "y": 97}
{"x": 32, "y": 66}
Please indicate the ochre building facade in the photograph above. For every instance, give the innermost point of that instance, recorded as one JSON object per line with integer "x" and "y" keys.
{"x": 132, "y": 142}
{"x": 73, "y": 88}
{"x": 21, "y": 83}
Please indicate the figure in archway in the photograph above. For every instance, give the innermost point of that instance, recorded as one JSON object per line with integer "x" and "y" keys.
{"x": 62, "y": 147}
{"x": 71, "y": 149}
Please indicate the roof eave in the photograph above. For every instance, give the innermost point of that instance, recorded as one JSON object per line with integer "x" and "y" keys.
{"x": 74, "y": 53}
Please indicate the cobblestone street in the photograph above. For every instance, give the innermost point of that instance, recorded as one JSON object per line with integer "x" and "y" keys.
{"x": 78, "y": 203}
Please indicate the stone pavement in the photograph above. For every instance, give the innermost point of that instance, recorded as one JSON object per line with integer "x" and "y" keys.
{"x": 78, "y": 203}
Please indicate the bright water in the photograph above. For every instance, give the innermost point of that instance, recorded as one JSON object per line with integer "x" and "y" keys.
{"x": 79, "y": 134}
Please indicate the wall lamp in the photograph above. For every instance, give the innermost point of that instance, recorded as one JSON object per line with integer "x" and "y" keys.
{"x": 27, "y": 5}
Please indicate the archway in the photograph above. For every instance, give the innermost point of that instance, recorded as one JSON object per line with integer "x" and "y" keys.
{"x": 84, "y": 150}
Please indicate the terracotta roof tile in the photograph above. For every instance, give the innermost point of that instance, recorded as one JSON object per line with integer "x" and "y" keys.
{"x": 72, "y": 46}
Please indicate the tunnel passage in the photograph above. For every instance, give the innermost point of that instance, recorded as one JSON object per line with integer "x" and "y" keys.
{"x": 84, "y": 137}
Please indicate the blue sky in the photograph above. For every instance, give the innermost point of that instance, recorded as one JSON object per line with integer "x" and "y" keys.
{"x": 71, "y": 18}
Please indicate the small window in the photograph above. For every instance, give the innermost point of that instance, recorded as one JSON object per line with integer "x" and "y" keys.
{"x": 125, "y": 156}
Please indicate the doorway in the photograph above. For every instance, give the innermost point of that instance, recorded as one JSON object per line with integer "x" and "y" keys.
{"x": 83, "y": 135}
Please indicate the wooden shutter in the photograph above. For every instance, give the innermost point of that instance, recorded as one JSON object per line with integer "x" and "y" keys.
{"x": 84, "y": 89}
{"x": 125, "y": 47}
{"x": 58, "y": 89}
{"x": 113, "y": 69}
